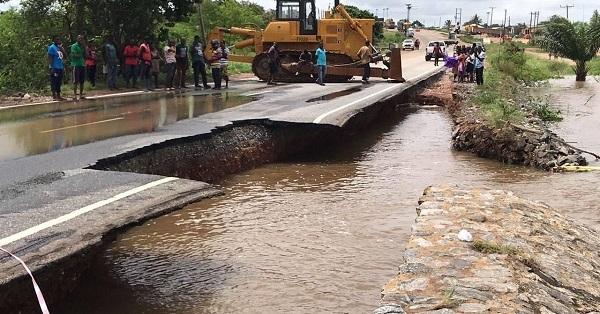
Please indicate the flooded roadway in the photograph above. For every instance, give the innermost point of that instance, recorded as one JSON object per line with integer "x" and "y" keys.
{"x": 43, "y": 128}
{"x": 323, "y": 232}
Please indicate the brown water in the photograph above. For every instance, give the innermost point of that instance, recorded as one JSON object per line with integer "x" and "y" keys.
{"x": 318, "y": 234}
{"x": 49, "y": 127}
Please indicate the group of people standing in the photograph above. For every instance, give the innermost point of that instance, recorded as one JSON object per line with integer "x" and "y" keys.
{"x": 468, "y": 64}
{"x": 137, "y": 61}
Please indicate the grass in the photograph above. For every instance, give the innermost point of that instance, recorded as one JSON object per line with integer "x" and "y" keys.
{"x": 469, "y": 39}
{"x": 239, "y": 67}
{"x": 507, "y": 73}
{"x": 389, "y": 38}
{"x": 448, "y": 302}
{"x": 594, "y": 66}
{"x": 493, "y": 248}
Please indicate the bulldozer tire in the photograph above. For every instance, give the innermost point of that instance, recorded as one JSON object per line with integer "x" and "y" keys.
{"x": 260, "y": 66}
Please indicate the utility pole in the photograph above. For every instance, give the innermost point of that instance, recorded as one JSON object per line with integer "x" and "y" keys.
{"x": 202, "y": 31}
{"x": 458, "y": 17}
{"x": 387, "y": 12}
{"x": 377, "y": 13}
{"x": 530, "y": 20}
{"x": 487, "y": 22}
{"x": 492, "y": 16}
{"x": 408, "y": 7}
{"x": 567, "y": 7}
{"x": 504, "y": 25}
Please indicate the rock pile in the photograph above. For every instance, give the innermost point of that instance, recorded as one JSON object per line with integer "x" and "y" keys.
{"x": 525, "y": 258}
{"x": 543, "y": 150}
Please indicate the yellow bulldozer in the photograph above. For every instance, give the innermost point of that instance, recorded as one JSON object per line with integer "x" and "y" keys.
{"x": 296, "y": 29}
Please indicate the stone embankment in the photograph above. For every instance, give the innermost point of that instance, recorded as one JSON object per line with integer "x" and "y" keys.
{"x": 524, "y": 257}
{"x": 530, "y": 144}
{"x": 514, "y": 145}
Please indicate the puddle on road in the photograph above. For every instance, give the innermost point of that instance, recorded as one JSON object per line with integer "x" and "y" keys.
{"x": 336, "y": 94}
{"x": 80, "y": 123}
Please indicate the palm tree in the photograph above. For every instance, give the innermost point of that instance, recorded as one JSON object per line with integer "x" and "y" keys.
{"x": 475, "y": 19}
{"x": 577, "y": 41}
{"x": 448, "y": 24}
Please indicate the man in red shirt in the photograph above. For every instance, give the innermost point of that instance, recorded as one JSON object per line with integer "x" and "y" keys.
{"x": 90, "y": 62}
{"x": 131, "y": 54}
{"x": 146, "y": 64}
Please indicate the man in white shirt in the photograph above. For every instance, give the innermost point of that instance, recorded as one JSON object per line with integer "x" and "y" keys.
{"x": 170, "y": 63}
{"x": 479, "y": 63}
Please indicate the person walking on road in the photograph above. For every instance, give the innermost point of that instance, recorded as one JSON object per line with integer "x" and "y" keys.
{"x": 273, "y": 55}
{"x": 224, "y": 57}
{"x": 479, "y": 63}
{"x": 198, "y": 62}
{"x": 109, "y": 53}
{"x": 55, "y": 58}
{"x": 321, "y": 63}
{"x": 365, "y": 55}
{"x": 181, "y": 55}
{"x": 90, "y": 62}
{"x": 78, "y": 64}
{"x": 131, "y": 69}
{"x": 170, "y": 64}
{"x": 145, "y": 64}
{"x": 437, "y": 54}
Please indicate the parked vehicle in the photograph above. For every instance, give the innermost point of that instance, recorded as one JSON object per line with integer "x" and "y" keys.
{"x": 410, "y": 32}
{"x": 429, "y": 48}
{"x": 408, "y": 44}
{"x": 452, "y": 40}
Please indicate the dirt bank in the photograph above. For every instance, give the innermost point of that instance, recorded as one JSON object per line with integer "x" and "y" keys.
{"x": 532, "y": 144}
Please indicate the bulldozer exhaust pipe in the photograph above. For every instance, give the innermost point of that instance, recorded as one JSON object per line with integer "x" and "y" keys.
{"x": 336, "y": 3}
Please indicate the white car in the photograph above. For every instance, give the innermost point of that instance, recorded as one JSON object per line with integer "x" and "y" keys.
{"x": 429, "y": 49}
{"x": 408, "y": 44}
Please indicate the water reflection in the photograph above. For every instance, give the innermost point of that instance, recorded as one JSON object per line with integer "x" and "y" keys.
{"x": 105, "y": 118}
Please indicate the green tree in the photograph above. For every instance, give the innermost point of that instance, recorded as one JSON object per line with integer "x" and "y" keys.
{"x": 120, "y": 18}
{"x": 577, "y": 41}
{"x": 417, "y": 24}
{"x": 24, "y": 66}
{"x": 448, "y": 25}
{"x": 475, "y": 19}
{"x": 364, "y": 14}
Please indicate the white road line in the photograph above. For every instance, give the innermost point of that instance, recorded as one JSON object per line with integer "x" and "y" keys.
{"x": 116, "y": 94}
{"x": 81, "y": 211}
{"x": 84, "y": 124}
{"x": 321, "y": 117}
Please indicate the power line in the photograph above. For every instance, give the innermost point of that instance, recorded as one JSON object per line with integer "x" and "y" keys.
{"x": 567, "y": 7}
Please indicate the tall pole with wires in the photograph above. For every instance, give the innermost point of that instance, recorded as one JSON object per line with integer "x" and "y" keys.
{"x": 567, "y": 7}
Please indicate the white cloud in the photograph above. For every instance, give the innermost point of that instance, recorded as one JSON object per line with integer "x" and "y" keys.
{"x": 431, "y": 11}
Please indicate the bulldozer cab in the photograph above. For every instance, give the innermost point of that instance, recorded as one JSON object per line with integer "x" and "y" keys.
{"x": 299, "y": 10}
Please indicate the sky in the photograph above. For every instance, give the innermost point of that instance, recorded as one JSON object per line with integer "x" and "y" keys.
{"x": 429, "y": 12}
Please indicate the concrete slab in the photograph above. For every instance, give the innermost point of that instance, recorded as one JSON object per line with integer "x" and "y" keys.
{"x": 61, "y": 215}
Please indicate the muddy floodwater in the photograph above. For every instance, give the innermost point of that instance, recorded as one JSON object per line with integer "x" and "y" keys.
{"x": 323, "y": 232}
